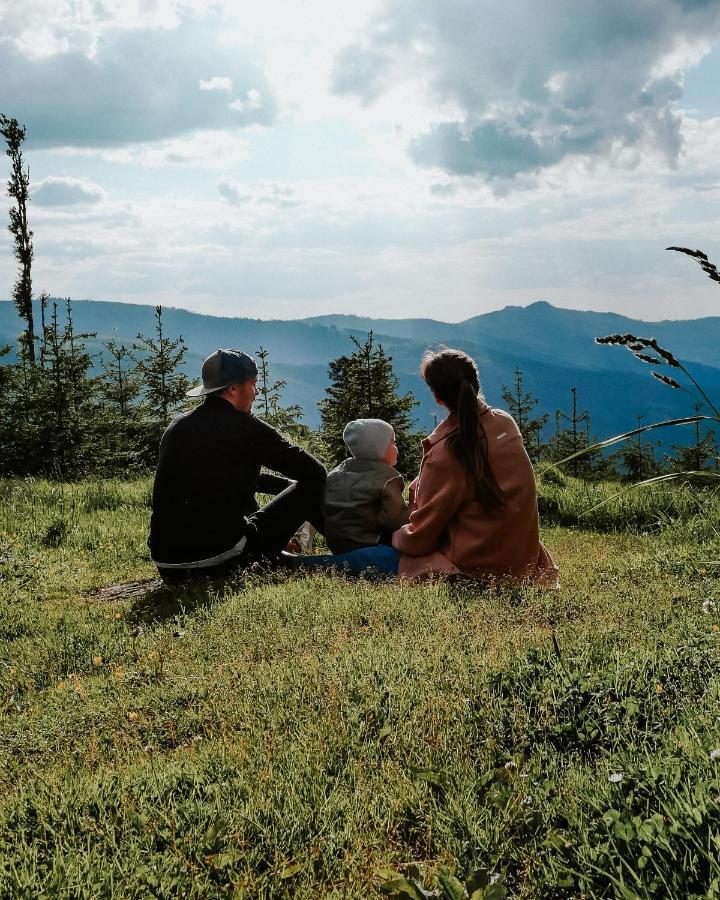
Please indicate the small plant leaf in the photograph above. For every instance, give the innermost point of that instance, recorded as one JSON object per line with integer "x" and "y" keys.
{"x": 404, "y": 889}
{"x": 289, "y": 871}
{"x": 495, "y": 892}
{"x": 450, "y": 887}
{"x": 437, "y": 780}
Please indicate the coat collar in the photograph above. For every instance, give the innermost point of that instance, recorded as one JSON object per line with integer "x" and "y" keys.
{"x": 448, "y": 426}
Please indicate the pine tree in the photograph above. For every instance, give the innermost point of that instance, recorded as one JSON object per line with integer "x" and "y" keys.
{"x": 19, "y": 190}
{"x": 268, "y": 404}
{"x": 67, "y": 422}
{"x": 638, "y": 458}
{"x": 164, "y": 387}
{"x": 364, "y": 385}
{"x": 50, "y": 411}
{"x": 573, "y": 438}
{"x": 700, "y": 455}
{"x": 520, "y": 405}
{"x": 120, "y": 385}
{"x": 121, "y": 427}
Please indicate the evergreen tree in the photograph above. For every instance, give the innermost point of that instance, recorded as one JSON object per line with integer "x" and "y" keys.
{"x": 19, "y": 190}
{"x": 67, "y": 410}
{"x": 520, "y": 405}
{"x": 164, "y": 387}
{"x": 701, "y": 454}
{"x": 122, "y": 425}
{"x": 121, "y": 384}
{"x": 364, "y": 385}
{"x": 638, "y": 458}
{"x": 49, "y": 411}
{"x": 268, "y": 405}
{"x": 573, "y": 438}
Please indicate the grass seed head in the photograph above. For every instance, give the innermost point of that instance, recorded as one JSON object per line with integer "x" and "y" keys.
{"x": 666, "y": 355}
{"x": 708, "y": 268}
{"x": 666, "y": 380}
{"x": 696, "y": 254}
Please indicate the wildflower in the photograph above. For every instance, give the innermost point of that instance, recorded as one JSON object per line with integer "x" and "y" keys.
{"x": 708, "y": 605}
{"x": 715, "y": 755}
{"x": 615, "y": 777}
{"x": 97, "y": 660}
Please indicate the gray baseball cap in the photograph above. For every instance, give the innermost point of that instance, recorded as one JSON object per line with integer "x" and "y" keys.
{"x": 223, "y": 368}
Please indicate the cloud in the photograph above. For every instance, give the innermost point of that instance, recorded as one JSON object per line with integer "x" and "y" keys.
{"x": 265, "y": 193}
{"x": 61, "y": 191}
{"x": 253, "y": 100}
{"x": 231, "y": 191}
{"x": 216, "y": 84}
{"x": 203, "y": 149}
{"x": 143, "y": 85}
{"x": 518, "y": 87}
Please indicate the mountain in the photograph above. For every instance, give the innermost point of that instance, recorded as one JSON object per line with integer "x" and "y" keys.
{"x": 553, "y": 347}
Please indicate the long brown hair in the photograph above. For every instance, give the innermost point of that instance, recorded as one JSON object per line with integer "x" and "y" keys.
{"x": 452, "y": 376}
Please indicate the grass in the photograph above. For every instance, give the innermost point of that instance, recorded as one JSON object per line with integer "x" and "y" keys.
{"x": 317, "y": 737}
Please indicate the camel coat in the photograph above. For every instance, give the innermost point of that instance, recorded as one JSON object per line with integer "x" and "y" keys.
{"x": 451, "y": 533}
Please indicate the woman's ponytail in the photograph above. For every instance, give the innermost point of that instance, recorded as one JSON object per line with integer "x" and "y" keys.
{"x": 453, "y": 378}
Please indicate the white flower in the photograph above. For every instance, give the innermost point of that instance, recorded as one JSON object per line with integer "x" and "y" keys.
{"x": 715, "y": 754}
{"x": 615, "y": 777}
{"x": 708, "y": 605}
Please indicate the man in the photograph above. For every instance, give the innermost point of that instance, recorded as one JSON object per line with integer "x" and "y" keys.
{"x": 205, "y": 518}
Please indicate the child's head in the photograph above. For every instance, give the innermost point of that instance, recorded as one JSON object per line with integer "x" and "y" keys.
{"x": 371, "y": 439}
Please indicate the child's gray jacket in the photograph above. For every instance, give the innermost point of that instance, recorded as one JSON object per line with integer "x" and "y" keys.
{"x": 363, "y": 498}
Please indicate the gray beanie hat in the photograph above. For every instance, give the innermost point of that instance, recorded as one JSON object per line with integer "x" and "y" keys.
{"x": 368, "y": 438}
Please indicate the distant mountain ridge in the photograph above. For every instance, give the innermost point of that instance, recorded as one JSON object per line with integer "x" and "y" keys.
{"x": 553, "y": 347}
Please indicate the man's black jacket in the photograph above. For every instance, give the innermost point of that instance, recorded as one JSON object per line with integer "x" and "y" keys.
{"x": 207, "y": 474}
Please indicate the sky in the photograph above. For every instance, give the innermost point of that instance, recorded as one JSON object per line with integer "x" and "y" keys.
{"x": 391, "y": 158}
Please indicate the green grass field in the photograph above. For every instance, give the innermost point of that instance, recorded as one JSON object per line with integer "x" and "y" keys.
{"x": 318, "y": 737}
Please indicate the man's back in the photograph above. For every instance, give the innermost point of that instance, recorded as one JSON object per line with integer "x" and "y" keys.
{"x": 206, "y": 478}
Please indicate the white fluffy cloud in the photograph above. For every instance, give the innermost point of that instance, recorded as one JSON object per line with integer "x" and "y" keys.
{"x": 218, "y": 83}
{"x": 140, "y": 85}
{"x": 519, "y": 86}
{"x": 64, "y": 191}
{"x": 265, "y": 193}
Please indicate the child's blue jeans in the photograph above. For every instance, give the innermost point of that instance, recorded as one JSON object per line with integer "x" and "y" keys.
{"x": 369, "y": 561}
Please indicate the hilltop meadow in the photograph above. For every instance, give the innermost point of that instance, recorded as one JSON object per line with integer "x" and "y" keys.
{"x": 305, "y": 737}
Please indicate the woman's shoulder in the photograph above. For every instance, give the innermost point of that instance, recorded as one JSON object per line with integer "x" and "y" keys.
{"x": 500, "y": 422}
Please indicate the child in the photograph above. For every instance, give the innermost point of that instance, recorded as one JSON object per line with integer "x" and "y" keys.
{"x": 363, "y": 502}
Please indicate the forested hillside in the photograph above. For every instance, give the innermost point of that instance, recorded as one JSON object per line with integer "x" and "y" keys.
{"x": 553, "y": 347}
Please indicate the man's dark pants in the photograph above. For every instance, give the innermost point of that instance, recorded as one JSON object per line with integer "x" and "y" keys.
{"x": 269, "y": 530}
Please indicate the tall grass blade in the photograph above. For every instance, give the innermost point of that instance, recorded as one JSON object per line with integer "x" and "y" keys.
{"x": 608, "y": 442}
{"x": 672, "y": 476}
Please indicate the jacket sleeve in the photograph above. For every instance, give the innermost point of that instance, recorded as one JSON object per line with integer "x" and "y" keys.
{"x": 441, "y": 493}
{"x": 278, "y": 454}
{"x": 393, "y": 508}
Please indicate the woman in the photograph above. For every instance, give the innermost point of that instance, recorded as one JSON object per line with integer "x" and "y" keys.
{"x": 473, "y": 507}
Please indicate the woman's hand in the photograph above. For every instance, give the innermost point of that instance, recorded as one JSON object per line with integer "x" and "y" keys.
{"x": 412, "y": 493}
